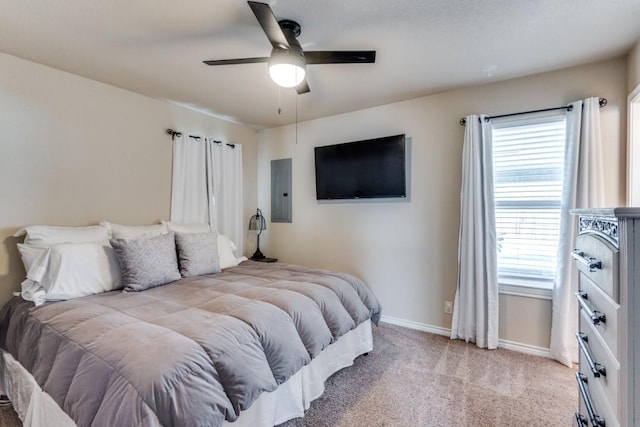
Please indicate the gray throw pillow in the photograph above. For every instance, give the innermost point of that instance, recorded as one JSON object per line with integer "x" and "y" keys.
{"x": 198, "y": 253}
{"x": 147, "y": 262}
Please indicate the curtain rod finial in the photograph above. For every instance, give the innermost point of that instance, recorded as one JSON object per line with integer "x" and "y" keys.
{"x": 173, "y": 133}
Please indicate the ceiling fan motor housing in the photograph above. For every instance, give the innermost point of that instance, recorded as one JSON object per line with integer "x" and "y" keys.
{"x": 291, "y": 30}
{"x": 283, "y": 58}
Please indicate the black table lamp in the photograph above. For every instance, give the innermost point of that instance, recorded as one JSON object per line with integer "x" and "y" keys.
{"x": 258, "y": 224}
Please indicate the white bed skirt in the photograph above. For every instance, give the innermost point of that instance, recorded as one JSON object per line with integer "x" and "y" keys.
{"x": 36, "y": 408}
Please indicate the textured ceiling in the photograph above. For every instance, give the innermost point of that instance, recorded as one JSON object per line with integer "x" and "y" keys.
{"x": 156, "y": 47}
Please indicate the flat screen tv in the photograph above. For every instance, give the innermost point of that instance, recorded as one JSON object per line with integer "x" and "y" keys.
{"x": 373, "y": 168}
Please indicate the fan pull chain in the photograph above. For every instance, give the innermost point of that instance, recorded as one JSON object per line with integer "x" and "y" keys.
{"x": 279, "y": 102}
{"x": 296, "y": 119}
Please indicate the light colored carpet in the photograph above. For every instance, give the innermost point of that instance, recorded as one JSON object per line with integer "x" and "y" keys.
{"x": 414, "y": 378}
{"x": 417, "y": 379}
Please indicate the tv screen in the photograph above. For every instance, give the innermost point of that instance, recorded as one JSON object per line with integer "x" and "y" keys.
{"x": 373, "y": 168}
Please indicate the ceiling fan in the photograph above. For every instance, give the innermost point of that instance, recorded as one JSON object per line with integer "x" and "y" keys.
{"x": 287, "y": 63}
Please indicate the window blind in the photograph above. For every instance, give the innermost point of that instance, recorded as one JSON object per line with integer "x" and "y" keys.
{"x": 528, "y": 174}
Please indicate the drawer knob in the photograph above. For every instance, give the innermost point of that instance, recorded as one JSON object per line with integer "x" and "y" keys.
{"x": 598, "y": 317}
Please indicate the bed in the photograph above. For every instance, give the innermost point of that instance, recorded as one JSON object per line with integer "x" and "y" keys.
{"x": 249, "y": 345}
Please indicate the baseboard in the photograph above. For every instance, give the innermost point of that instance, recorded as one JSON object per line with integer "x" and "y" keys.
{"x": 415, "y": 325}
{"x": 437, "y": 330}
{"x": 524, "y": 348}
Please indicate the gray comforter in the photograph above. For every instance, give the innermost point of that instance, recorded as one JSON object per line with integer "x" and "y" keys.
{"x": 191, "y": 353}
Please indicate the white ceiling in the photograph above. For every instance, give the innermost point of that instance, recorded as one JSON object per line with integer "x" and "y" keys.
{"x": 156, "y": 47}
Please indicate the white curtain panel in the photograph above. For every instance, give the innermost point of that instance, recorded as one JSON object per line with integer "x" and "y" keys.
{"x": 583, "y": 188}
{"x": 189, "y": 201}
{"x": 215, "y": 173}
{"x": 232, "y": 222}
{"x": 475, "y": 309}
{"x": 207, "y": 186}
{"x": 226, "y": 176}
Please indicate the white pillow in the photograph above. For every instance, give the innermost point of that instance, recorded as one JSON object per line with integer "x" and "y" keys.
{"x": 226, "y": 250}
{"x": 29, "y": 254}
{"x": 71, "y": 270}
{"x": 44, "y": 236}
{"x": 119, "y": 231}
{"x": 187, "y": 227}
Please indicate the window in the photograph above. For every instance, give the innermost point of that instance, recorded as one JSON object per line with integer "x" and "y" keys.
{"x": 528, "y": 157}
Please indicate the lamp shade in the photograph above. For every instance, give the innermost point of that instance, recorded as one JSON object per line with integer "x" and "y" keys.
{"x": 286, "y": 68}
{"x": 257, "y": 222}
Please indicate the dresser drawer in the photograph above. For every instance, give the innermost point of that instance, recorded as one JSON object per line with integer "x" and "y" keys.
{"x": 605, "y": 311}
{"x": 609, "y": 367}
{"x": 594, "y": 393}
{"x": 598, "y": 260}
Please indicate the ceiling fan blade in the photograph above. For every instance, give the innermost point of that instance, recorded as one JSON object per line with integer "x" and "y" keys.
{"x": 236, "y": 61}
{"x": 269, "y": 24}
{"x": 340, "y": 57}
{"x": 303, "y": 88}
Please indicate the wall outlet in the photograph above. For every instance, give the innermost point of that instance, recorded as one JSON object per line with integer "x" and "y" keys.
{"x": 448, "y": 307}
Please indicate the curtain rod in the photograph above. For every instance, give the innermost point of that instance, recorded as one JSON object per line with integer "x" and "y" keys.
{"x": 601, "y": 101}
{"x": 175, "y": 134}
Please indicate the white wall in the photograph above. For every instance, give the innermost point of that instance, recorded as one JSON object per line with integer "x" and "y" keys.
{"x": 407, "y": 251}
{"x": 74, "y": 151}
{"x": 634, "y": 68}
{"x": 633, "y": 149}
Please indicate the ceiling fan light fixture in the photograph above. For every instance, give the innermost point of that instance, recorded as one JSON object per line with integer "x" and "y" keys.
{"x": 288, "y": 61}
{"x": 286, "y": 69}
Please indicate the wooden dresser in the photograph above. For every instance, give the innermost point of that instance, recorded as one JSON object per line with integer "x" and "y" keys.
{"x": 607, "y": 255}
